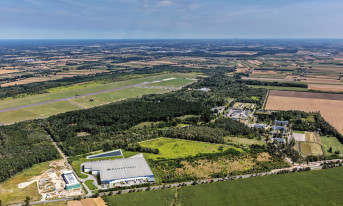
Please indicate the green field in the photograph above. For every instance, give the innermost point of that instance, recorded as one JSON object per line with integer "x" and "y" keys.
{"x": 35, "y": 112}
{"x": 172, "y": 83}
{"x": 280, "y": 88}
{"x": 328, "y": 142}
{"x": 243, "y": 141}
{"x": 76, "y": 161}
{"x": 9, "y": 191}
{"x": 151, "y": 198}
{"x": 79, "y": 90}
{"x": 321, "y": 187}
{"x": 174, "y": 148}
{"x": 90, "y": 184}
{"x": 108, "y": 97}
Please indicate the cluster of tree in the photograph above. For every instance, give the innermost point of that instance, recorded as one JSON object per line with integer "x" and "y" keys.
{"x": 111, "y": 121}
{"x": 233, "y": 127}
{"x": 303, "y": 121}
{"x": 198, "y": 133}
{"x": 279, "y": 84}
{"x": 21, "y": 146}
{"x": 139, "y": 148}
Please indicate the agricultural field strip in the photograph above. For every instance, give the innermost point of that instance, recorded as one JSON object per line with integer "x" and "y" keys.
{"x": 74, "y": 97}
{"x": 326, "y": 96}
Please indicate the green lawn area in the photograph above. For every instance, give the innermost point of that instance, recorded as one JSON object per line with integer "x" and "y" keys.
{"x": 108, "y": 97}
{"x": 44, "y": 110}
{"x": 78, "y": 160}
{"x": 243, "y": 141}
{"x": 90, "y": 185}
{"x": 320, "y": 187}
{"x": 179, "y": 82}
{"x": 87, "y": 88}
{"x": 11, "y": 194}
{"x": 174, "y": 148}
{"x": 280, "y": 88}
{"x": 151, "y": 198}
{"x": 328, "y": 142}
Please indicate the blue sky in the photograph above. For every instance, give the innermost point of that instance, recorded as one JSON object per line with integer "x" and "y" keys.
{"x": 141, "y": 19}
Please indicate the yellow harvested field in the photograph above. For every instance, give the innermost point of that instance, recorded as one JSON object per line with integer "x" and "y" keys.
{"x": 88, "y": 202}
{"x": 330, "y": 106}
{"x": 7, "y": 71}
{"x": 323, "y": 87}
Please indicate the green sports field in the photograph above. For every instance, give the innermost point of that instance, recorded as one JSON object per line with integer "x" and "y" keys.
{"x": 321, "y": 187}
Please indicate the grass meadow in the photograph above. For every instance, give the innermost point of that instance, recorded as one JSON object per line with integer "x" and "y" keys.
{"x": 35, "y": 112}
{"x": 11, "y": 194}
{"x": 173, "y": 148}
{"x": 172, "y": 83}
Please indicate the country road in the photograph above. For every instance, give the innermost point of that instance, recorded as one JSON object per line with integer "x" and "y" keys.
{"x": 312, "y": 166}
{"x": 77, "y": 96}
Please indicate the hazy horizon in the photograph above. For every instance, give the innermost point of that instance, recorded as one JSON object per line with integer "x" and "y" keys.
{"x": 171, "y": 19}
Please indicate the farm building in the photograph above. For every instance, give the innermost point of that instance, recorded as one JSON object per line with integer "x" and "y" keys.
{"x": 70, "y": 180}
{"x": 278, "y": 122}
{"x": 120, "y": 170}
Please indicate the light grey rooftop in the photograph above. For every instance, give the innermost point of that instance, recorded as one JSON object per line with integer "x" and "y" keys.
{"x": 120, "y": 168}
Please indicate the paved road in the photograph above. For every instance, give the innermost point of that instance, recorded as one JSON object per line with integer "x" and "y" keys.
{"x": 72, "y": 97}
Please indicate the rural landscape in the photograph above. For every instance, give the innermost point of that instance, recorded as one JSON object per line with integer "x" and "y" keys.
{"x": 226, "y": 119}
{"x": 171, "y": 103}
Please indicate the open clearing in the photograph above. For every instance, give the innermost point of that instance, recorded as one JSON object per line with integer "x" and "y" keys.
{"x": 323, "y": 187}
{"x": 36, "y": 112}
{"x": 62, "y": 93}
{"x": 242, "y": 141}
{"x": 332, "y": 142}
{"x": 174, "y": 148}
{"x": 173, "y": 83}
{"x": 108, "y": 97}
{"x": 330, "y": 106}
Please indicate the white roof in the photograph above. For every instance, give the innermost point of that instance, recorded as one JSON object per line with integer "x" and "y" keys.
{"x": 120, "y": 168}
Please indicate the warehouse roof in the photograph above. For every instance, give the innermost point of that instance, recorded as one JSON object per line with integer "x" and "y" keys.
{"x": 120, "y": 168}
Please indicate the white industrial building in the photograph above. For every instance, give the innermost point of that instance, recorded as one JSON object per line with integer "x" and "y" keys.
{"x": 120, "y": 170}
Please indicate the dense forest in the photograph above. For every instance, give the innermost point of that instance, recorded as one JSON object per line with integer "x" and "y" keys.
{"x": 23, "y": 145}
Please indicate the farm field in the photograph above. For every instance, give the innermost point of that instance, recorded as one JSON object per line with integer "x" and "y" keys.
{"x": 174, "y": 148}
{"x": 280, "y": 88}
{"x": 320, "y": 187}
{"x": 324, "y": 87}
{"x": 11, "y": 194}
{"x": 150, "y": 198}
{"x": 36, "y": 112}
{"x": 113, "y": 96}
{"x": 329, "y": 105}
